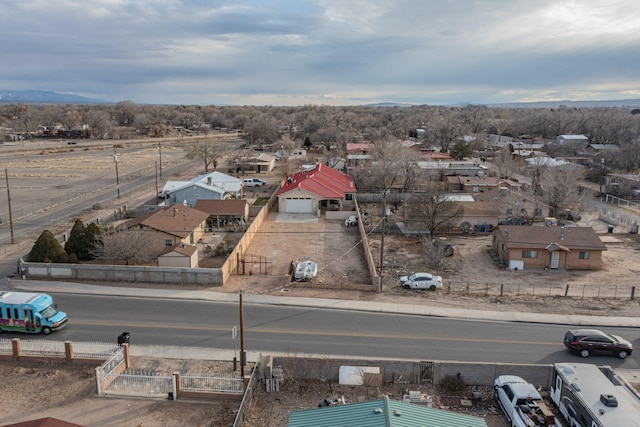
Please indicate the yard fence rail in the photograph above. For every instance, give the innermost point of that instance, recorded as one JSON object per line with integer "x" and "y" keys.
{"x": 551, "y": 289}
{"x": 217, "y": 383}
{"x": 140, "y": 384}
{"x": 53, "y": 349}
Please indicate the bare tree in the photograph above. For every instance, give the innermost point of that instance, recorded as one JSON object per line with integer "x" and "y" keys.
{"x": 125, "y": 246}
{"x": 558, "y": 187}
{"x": 208, "y": 151}
{"x": 432, "y": 208}
{"x": 505, "y": 162}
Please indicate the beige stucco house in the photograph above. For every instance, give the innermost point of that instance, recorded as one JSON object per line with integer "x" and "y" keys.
{"x": 171, "y": 226}
{"x": 570, "y": 248}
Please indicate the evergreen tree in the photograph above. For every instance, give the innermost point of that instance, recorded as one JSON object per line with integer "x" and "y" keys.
{"x": 461, "y": 150}
{"x": 78, "y": 242}
{"x": 47, "y": 249}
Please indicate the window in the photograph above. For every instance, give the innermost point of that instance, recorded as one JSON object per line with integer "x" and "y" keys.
{"x": 475, "y": 189}
{"x": 348, "y": 196}
{"x": 538, "y": 212}
{"x": 583, "y": 255}
{"x": 529, "y": 254}
{"x": 168, "y": 242}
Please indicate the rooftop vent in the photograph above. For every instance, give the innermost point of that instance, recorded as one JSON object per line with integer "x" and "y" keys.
{"x": 397, "y": 412}
{"x": 377, "y": 410}
{"x": 609, "y": 400}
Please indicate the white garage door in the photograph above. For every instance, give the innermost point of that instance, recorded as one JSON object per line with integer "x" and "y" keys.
{"x": 299, "y": 206}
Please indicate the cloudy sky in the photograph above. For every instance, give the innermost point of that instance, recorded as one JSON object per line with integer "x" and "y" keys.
{"x": 334, "y": 52}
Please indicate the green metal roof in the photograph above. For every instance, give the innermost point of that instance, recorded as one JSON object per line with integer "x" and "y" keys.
{"x": 381, "y": 413}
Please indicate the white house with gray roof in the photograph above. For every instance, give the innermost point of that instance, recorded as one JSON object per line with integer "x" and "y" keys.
{"x": 211, "y": 186}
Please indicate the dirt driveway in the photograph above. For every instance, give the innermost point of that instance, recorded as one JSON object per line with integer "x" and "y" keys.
{"x": 285, "y": 237}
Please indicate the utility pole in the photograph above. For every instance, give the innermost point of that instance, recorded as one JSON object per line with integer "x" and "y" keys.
{"x": 601, "y": 174}
{"x": 157, "y": 198}
{"x": 160, "y": 155}
{"x": 6, "y": 176}
{"x": 242, "y": 354}
{"x": 115, "y": 159}
{"x": 384, "y": 226}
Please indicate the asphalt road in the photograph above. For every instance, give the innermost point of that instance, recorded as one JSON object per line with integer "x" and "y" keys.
{"x": 294, "y": 330}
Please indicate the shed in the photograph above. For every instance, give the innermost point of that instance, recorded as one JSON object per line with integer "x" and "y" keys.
{"x": 180, "y": 255}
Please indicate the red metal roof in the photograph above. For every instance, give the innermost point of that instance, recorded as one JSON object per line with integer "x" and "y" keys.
{"x": 323, "y": 181}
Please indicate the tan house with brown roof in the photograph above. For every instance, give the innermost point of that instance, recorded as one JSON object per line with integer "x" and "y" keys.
{"x": 171, "y": 226}
{"x": 570, "y": 248}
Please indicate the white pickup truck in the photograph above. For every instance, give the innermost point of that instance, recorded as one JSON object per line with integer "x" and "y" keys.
{"x": 521, "y": 403}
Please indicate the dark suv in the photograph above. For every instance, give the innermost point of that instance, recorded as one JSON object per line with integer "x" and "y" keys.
{"x": 592, "y": 341}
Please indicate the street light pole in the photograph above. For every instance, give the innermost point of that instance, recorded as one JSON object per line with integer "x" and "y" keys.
{"x": 115, "y": 159}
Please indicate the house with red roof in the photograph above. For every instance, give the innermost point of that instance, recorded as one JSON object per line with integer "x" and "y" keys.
{"x": 317, "y": 189}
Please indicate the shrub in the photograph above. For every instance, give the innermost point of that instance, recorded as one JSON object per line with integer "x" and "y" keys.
{"x": 453, "y": 384}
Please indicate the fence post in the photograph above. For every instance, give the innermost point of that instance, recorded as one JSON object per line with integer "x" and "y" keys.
{"x": 566, "y": 290}
{"x": 486, "y": 289}
{"x": 177, "y": 385}
{"x": 633, "y": 292}
{"x": 127, "y": 356}
{"x": 68, "y": 351}
{"x": 100, "y": 379}
{"x": 501, "y": 289}
{"x": 15, "y": 347}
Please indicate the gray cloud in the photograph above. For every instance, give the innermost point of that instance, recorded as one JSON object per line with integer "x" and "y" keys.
{"x": 324, "y": 51}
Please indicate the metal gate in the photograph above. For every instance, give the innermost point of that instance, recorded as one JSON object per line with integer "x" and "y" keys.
{"x": 426, "y": 371}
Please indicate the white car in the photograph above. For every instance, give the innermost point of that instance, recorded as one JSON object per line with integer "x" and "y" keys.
{"x": 421, "y": 281}
{"x": 253, "y": 182}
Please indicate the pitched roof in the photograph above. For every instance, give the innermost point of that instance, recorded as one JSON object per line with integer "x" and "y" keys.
{"x": 176, "y": 220}
{"x": 381, "y": 413}
{"x": 222, "y": 207}
{"x": 322, "y": 180}
{"x": 214, "y": 181}
{"x": 44, "y": 422}
{"x": 550, "y": 238}
{"x": 180, "y": 248}
{"x": 359, "y": 146}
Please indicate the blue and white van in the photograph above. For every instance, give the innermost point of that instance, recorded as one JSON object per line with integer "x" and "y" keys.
{"x": 29, "y": 312}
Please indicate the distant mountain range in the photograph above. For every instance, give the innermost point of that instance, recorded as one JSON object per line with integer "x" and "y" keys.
{"x": 44, "y": 97}
{"x": 50, "y": 97}
{"x": 632, "y": 103}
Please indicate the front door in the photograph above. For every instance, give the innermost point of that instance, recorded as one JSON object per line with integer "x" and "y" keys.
{"x": 555, "y": 259}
